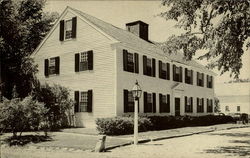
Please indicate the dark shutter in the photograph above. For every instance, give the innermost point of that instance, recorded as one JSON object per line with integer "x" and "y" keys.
{"x": 197, "y": 105}
{"x": 125, "y": 100}
{"x": 180, "y": 74}
{"x": 46, "y": 67}
{"x": 61, "y": 35}
{"x": 191, "y": 104}
{"x": 125, "y": 60}
{"x": 168, "y": 103}
{"x": 191, "y": 76}
{"x": 186, "y": 110}
{"x": 160, "y": 102}
{"x": 77, "y": 60}
{"x": 90, "y": 60}
{"x": 197, "y": 78}
{"x": 144, "y": 65}
{"x": 160, "y": 69}
{"x": 174, "y": 72}
{"x": 136, "y": 63}
{"x": 76, "y": 101}
{"x": 185, "y": 75}
{"x": 153, "y": 67}
{"x": 208, "y": 108}
{"x": 168, "y": 71}
{"x": 212, "y": 82}
{"x": 154, "y": 103}
{"x": 90, "y": 100}
{"x": 202, "y": 79}
{"x": 212, "y": 104}
{"x": 145, "y": 102}
{"x": 202, "y": 103}
{"x": 207, "y": 81}
{"x": 57, "y": 60}
{"x": 74, "y": 23}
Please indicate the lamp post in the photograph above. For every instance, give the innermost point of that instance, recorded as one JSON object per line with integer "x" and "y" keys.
{"x": 136, "y": 91}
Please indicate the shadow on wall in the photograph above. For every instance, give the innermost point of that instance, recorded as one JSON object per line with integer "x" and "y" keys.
{"x": 238, "y": 148}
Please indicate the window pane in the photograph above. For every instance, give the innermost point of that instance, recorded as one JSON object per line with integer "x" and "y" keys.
{"x": 130, "y": 57}
{"x": 149, "y": 98}
{"x": 68, "y": 26}
{"x": 83, "y": 101}
{"x": 148, "y": 62}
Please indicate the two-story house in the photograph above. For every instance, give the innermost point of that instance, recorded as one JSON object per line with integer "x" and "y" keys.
{"x": 100, "y": 63}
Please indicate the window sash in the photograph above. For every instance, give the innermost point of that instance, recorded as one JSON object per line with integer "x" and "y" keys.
{"x": 68, "y": 29}
{"x": 83, "y": 65}
{"x": 52, "y": 66}
{"x": 83, "y": 104}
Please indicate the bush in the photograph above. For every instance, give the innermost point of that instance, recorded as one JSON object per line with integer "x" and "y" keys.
{"x": 19, "y": 115}
{"x": 124, "y": 125}
{"x": 121, "y": 125}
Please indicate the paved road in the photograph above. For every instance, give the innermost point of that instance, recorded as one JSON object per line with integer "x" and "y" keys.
{"x": 233, "y": 143}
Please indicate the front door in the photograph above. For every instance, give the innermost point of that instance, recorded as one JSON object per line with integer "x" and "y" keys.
{"x": 177, "y": 106}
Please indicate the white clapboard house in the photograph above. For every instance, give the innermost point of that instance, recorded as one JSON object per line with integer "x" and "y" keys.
{"x": 100, "y": 63}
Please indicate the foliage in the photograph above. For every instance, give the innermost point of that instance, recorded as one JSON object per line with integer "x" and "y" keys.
{"x": 221, "y": 27}
{"x": 19, "y": 115}
{"x": 239, "y": 80}
{"x": 58, "y": 102}
{"x": 121, "y": 125}
{"x": 217, "y": 105}
{"x": 23, "y": 25}
{"x": 124, "y": 125}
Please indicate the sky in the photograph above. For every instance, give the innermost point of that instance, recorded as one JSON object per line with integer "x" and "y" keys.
{"x": 119, "y": 13}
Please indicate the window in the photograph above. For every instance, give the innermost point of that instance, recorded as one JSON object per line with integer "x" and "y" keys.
{"x": 188, "y": 76}
{"x": 128, "y": 101}
{"x": 164, "y": 70}
{"x": 51, "y": 66}
{"x": 130, "y": 62}
{"x": 67, "y": 29}
{"x": 227, "y": 108}
{"x": 200, "y": 79}
{"x": 164, "y": 101}
{"x": 238, "y": 108}
{"x": 188, "y": 104}
{"x": 209, "y": 81}
{"x": 209, "y": 105}
{"x": 149, "y": 102}
{"x": 84, "y": 61}
{"x": 148, "y": 66}
{"x": 83, "y": 101}
{"x": 177, "y": 73}
{"x": 200, "y": 105}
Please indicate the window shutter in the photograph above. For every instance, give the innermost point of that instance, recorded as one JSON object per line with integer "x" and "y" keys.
{"x": 160, "y": 102}
{"x": 212, "y": 105}
{"x": 90, "y": 60}
{"x": 186, "y": 104}
{"x": 46, "y": 67}
{"x": 174, "y": 72}
{"x": 153, "y": 67}
{"x": 160, "y": 69}
{"x": 185, "y": 75}
{"x": 191, "y": 76}
{"x": 168, "y": 71}
{"x": 154, "y": 103}
{"x": 197, "y": 104}
{"x": 208, "y": 108}
{"x": 202, "y": 103}
{"x": 61, "y": 35}
{"x": 74, "y": 23}
{"x": 136, "y": 62}
{"x": 202, "y": 79}
{"x": 77, "y": 60}
{"x": 207, "y": 81}
{"x": 180, "y": 74}
{"x": 145, "y": 102}
{"x": 125, "y": 60}
{"x": 125, "y": 100}
{"x": 191, "y": 104}
{"x": 90, "y": 100}
{"x": 212, "y": 81}
{"x": 57, "y": 60}
{"x": 168, "y": 103}
{"x": 197, "y": 78}
{"x": 144, "y": 65}
{"x": 76, "y": 101}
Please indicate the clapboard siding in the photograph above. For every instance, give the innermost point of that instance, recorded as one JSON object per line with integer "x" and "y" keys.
{"x": 126, "y": 80}
{"x": 101, "y": 79}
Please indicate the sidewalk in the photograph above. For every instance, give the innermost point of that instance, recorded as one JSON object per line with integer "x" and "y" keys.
{"x": 84, "y": 139}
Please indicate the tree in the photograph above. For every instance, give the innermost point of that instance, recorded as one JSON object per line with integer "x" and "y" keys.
{"x": 221, "y": 27}
{"x": 23, "y": 25}
{"x": 58, "y": 102}
{"x": 19, "y": 115}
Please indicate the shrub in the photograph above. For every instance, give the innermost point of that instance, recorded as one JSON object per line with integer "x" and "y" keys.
{"x": 121, "y": 125}
{"x": 19, "y": 115}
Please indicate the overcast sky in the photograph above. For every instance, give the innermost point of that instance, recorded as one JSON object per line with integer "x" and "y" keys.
{"x": 119, "y": 13}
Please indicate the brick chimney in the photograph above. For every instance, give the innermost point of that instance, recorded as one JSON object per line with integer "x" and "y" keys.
{"x": 138, "y": 28}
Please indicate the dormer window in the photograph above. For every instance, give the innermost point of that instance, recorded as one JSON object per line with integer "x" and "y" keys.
{"x": 68, "y": 29}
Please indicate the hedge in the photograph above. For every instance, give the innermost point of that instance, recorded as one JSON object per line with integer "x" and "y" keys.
{"x": 122, "y": 125}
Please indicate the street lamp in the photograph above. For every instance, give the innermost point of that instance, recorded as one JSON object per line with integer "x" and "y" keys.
{"x": 136, "y": 91}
